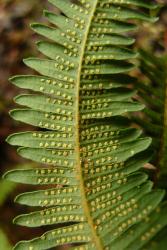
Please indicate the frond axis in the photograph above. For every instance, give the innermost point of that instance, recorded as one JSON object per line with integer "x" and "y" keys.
{"x": 79, "y": 166}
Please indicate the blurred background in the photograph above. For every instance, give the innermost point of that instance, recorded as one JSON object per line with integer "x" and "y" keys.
{"x": 17, "y": 41}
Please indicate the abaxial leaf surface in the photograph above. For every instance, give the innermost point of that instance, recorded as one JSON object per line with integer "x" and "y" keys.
{"x": 90, "y": 159}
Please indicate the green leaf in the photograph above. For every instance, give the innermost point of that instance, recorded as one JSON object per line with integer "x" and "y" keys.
{"x": 94, "y": 188}
{"x": 154, "y": 123}
{"x": 4, "y": 241}
{"x": 6, "y": 188}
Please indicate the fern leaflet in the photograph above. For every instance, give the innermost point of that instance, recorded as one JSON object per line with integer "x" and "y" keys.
{"x": 90, "y": 156}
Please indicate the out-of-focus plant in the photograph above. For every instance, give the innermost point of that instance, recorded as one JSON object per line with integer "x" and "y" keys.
{"x": 152, "y": 90}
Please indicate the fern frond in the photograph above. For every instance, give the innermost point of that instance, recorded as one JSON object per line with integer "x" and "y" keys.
{"x": 153, "y": 92}
{"x": 91, "y": 158}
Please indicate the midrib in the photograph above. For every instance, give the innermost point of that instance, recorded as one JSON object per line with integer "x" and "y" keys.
{"x": 85, "y": 204}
